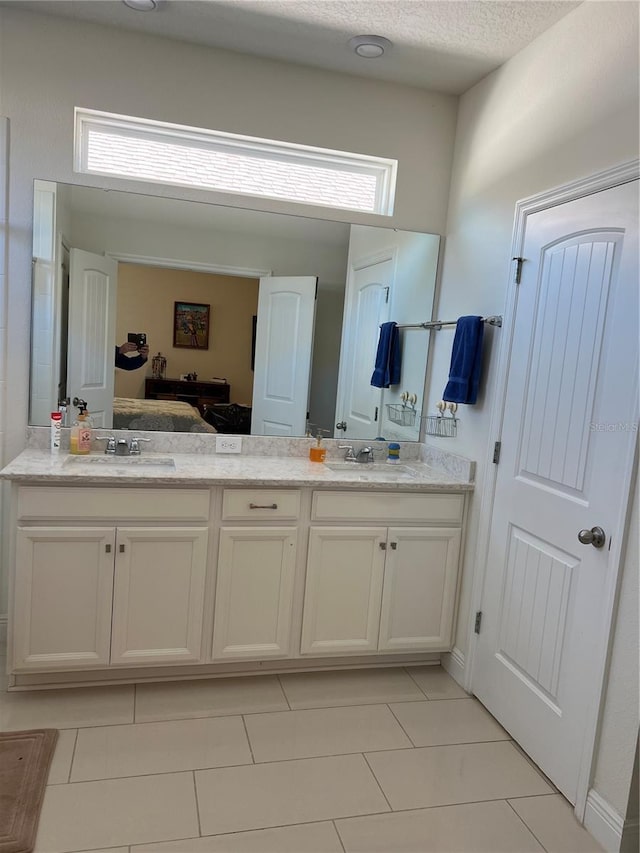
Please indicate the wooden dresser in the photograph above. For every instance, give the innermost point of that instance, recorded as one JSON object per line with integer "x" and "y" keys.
{"x": 198, "y": 393}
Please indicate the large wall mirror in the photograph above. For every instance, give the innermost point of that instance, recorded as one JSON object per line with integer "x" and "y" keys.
{"x": 259, "y": 322}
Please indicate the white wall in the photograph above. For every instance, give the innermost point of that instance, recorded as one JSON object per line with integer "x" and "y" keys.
{"x": 50, "y": 65}
{"x": 563, "y": 108}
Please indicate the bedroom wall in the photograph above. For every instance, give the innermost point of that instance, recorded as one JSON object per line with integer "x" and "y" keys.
{"x": 146, "y": 297}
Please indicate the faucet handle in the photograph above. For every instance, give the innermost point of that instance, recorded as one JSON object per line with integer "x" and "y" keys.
{"x": 111, "y": 442}
{"x": 134, "y": 446}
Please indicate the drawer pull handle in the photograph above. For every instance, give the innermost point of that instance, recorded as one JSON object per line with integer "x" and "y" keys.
{"x": 107, "y": 549}
{"x": 383, "y": 546}
{"x": 121, "y": 549}
{"x": 263, "y": 506}
{"x": 394, "y": 545}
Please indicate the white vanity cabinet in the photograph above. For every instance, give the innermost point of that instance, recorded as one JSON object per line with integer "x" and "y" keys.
{"x": 374, "y": 588}
{"x": 256, "y": 574}
{"x": 87, "y": 596}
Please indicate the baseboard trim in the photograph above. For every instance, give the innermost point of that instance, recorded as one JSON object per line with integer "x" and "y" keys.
{"x": 453, "y": 663}
{"x": 603, "y": 822}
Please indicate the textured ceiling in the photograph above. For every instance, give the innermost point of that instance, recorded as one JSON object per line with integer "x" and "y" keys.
{"x": 443, "y": 45}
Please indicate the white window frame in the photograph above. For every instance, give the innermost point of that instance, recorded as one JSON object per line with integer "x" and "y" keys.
{"x": 384, "y": 170}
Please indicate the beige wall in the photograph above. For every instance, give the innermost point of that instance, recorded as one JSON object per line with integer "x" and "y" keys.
{"x": 146, "y": 297}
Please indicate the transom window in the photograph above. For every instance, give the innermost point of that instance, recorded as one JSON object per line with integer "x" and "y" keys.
{"x": 159, "y": 152}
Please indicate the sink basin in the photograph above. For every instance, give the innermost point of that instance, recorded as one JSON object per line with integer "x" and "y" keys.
{"x": 107, "y": 460}
{"x": 377, "y": 468}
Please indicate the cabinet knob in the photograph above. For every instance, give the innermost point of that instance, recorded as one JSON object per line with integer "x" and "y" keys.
{"x": 394, "y": 545}
{"x": 383, "y": 546}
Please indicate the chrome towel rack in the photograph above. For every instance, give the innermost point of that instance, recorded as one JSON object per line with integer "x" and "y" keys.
{"x": 495, "y": 320}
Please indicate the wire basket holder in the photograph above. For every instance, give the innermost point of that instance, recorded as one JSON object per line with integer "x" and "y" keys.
{"x": 441, "y": 424}
{"x": 403, "y": 414}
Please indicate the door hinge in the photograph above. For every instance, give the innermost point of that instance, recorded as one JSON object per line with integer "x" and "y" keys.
{"x": 518, "y": 277}
{"x": 375, "y": 417}
{"x": 497, "y": 447}
{"x": 386, "y": 295}
{"x": 478, "y": 622}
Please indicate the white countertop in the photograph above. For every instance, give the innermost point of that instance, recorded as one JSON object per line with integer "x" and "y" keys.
{"x": 197, "y": 469}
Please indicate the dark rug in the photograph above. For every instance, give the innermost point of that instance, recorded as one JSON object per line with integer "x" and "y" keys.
{"x": 25, "y": 758}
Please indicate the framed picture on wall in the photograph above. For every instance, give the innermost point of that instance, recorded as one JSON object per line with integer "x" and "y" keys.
{"x": 191, "y": 325}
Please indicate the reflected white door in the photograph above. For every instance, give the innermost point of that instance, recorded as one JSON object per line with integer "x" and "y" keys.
{"x": 93, "y": 280}
{"x": 284, "y": 344}
{"x": 568, "y": 439}
{"x": 366, "y": 307}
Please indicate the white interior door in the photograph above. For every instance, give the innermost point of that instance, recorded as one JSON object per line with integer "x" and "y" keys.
{"x": 284, "y": 345}
{"x": 93, "y": 281}
{"x": 568, "y": 439}
{"x": 366, "y": 306}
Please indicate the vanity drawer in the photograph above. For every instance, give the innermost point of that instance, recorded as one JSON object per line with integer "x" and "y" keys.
{"x": 253, "y": 504}
{"x": 387, "y": 507}
{"x": 92, "y": 504}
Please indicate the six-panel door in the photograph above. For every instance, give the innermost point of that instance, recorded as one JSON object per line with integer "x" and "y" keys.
{"x": 158, "y": 596}
{"x": 62, "y": 597}
{"x": 419, "y": 590}
{"x": 254, "y": 592}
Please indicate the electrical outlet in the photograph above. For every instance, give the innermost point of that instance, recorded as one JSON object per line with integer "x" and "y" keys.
{"x": 228, "y": 444}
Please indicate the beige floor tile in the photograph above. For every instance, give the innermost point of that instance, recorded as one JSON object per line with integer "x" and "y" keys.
{"x": 69, "y": 708}
{"x": 352, "y": 687}
{"x": 117, "y": 812}
{"x": 552, "y": 821}
{"x": 304, "y": 838}
{"x": 145, "y": 748}
{"x": 448, "y": 721}
{"x": 324, "y": 731}
{"x": 213, "y": 697}
{"x": 62, "y": 757}
{"x": 286, "y": 792}
{"x": 436, "y": 682}
{"x": 470, "y": 828}
{"x": 445, "y": 775}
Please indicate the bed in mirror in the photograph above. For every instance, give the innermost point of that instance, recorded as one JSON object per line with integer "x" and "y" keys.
{"x": 255, "y": 322}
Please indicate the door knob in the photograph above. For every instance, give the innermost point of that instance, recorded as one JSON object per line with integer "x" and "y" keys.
{"x": 596, "y": 537}
{"x": 342, "y": 425}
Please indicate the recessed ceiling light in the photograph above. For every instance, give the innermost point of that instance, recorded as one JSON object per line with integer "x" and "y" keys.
{"x": 141, "y": 5}
{"x": 369, "y": 47}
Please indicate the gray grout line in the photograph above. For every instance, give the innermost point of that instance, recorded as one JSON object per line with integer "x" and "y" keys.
{"x": 406, "y": 669}
{"x": 73, "y": 755}
{"x": 246, "y": 734}
{"x": 284, "y": 692}
{"x": 401, "y": 726}
{"x": 377, "y": 781}
{"x": 337, "y": 832}
{"x": 195, "y": 793}
{"x": 524, "y": 823}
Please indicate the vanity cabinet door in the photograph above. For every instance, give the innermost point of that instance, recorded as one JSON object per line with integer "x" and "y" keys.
{"x": 419, "y": 590}
{"x": 343, "y": 590}
{"x": 254, "y": 593}
{"x": 62, "y": 597}
{"x": 158, "y": 597}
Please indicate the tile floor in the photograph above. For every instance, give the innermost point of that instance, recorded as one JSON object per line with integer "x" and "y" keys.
{"x": 374, "y": 761}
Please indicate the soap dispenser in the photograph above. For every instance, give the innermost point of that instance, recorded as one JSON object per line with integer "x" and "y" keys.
{"x": 317, "y": 453}
{"x": 80, "y": 437}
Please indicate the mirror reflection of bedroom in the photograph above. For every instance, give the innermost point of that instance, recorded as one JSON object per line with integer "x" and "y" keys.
{"x": 217, "y": 393}
{"x": 267, "y": 323}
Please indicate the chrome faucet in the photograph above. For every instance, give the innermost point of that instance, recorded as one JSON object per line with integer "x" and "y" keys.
{"x": 365, "y": 455}
{"x": 349, "y": 456}
{"x": 122, "y": 447}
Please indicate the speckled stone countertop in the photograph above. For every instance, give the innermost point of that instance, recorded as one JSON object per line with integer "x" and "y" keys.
{"x": 37, "y": 466}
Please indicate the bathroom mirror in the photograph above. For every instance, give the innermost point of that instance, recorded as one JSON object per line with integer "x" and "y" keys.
{"x": 108, "y": 264}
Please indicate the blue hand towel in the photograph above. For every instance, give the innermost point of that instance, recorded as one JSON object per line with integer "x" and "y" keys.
{"x": 388, "y": 360}
{"x": 466, "y": 361}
